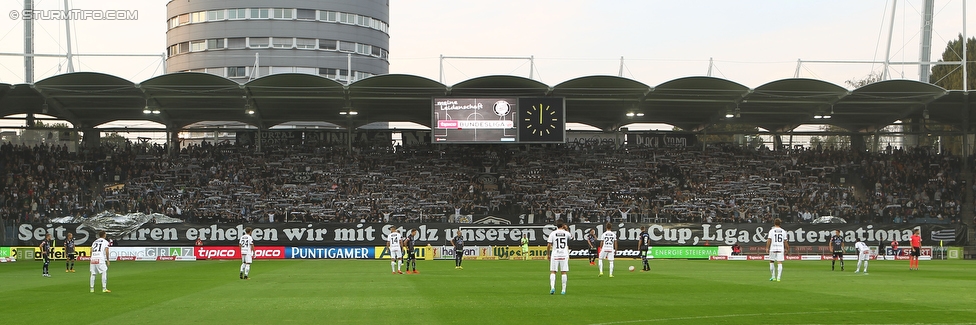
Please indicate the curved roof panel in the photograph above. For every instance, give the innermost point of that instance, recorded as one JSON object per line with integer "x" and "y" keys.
{"x": 86, "y": 99}
{"x": 879, "y": 104}
{"x": 601, "y": 101}
{"x": 785, "y": 104}
{"x": 296, "y": 97}
{"x": 190, "y": 97}
{"x": 20, "y": 99}
{"x": 692, "y": 103}
{"x": 499, "y": 86}
{"x": 395, "y": 97}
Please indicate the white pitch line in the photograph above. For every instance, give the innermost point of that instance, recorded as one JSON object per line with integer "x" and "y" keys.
{"x": 774, "y": 314}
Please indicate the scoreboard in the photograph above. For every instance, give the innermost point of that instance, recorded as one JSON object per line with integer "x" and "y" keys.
{"x": 498, "y": 120}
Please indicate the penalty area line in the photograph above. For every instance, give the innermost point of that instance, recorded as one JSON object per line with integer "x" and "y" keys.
{"x": 764, "y": 314}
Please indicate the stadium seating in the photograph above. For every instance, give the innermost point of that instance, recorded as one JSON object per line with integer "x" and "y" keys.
{"x": 581, "y": 183}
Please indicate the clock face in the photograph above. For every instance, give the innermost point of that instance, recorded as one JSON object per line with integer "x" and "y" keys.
{"x": 541, "y": 120}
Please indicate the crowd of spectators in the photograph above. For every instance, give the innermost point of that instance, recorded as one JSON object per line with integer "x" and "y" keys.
{"x": 458, "y": 183}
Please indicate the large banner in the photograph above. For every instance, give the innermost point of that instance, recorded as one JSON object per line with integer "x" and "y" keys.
{"x": 58, "y": 253}
{"x": 663, "y": 139}
{"x": 326, "y": 234}
{"x": 332, "y": 137}
{"x": 150, "y": 253}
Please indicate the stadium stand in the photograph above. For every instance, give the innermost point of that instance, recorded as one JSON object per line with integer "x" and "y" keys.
{"x": 527, "y": 184}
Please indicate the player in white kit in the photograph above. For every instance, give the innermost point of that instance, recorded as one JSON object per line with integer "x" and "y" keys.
{"x": 777, "y": 244}
{"x": 393, "y": 241}
{"x": 247, "y": 253}
{"x": 99, "y": 262}
{"x": 863, "y": 255}
{"x": 609, "y": 239}
{"x": 558, "y": 251}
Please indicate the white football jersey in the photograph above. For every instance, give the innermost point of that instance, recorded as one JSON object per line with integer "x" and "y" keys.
{"x": 394, "y": 240}
{"x": 608, "y": 237}
{"x": 861, "y": 247}
{"x": 560, "y": 243}
{"x": 777, "y": 236}
{"x": 246, "y": 243}
{"x": 99, "y": 249}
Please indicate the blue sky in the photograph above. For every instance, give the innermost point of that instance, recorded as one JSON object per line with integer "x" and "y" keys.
{"x": 751, "y": 42}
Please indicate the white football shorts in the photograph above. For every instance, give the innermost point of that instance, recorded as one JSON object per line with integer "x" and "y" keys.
{"x": 776, "y": 256}
{"x": 98, "y": 266}
{"x": 396, "y": 253}
{"x": 556, "y": 265}
{"x": 246, "y": 258}
{"x": 864, "y": 256}
{"x": 606, "y": 254}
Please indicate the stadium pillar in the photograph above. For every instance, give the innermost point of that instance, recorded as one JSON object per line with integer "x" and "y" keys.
{"x": 857, "y": 142}
{"x": 257, "y": 142}
{"x": 777, "y": 142}
{"x": 966, "y": 150}
{"x": 91, "y": 138}
{"x": 173, "y": 142}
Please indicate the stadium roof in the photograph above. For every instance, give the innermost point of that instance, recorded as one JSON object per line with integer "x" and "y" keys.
{"x": 88, "y": 99}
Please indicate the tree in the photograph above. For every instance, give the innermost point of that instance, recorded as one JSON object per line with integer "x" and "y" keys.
{"x": 114, "y": 140}
{"x": 869, "y": 79}
{"x": 726, "y": 132}
{"x": 831, "y": 141}
{"x": 950, "y": 76}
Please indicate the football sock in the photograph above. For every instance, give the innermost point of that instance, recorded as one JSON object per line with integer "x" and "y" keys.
{"x": 564, "y": 282}
{"x": 399, "y": 263}
{"x": 67, "y": 265}
{"x": 865, "y": 266}
{"x": 247, "y": 269}
{"x": 600, "y": 262}
{"x": 772, "y": 270}
{"x": 779, "y": 271}
{"x": 91, "y": 282}
{"x": 393, "y": 266}
{"x": 858, "y": 266}
{"x": 552, "y": 281}
{"x": 242, "y": 267}
{"x": 611, "y": 268}
{"x": 104, "y": 280}
{"x": 832, "y": 263}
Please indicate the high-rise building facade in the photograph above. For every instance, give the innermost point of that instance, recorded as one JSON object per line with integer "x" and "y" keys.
{"x": 247, "y": 39}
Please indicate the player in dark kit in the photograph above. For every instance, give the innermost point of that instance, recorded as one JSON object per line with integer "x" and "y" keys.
{"x": 46, "y": 254}
{"x": 837, "y": 246}
{"x": 458, "y": 243}
{"x": 643, "y": 244}
{"x": 594, "y": 242}
{"x": 69, "y": 250}
{"x": 409, "y": 243}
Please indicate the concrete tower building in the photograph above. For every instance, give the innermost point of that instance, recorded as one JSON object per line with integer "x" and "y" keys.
{"x": 247, "y": 39}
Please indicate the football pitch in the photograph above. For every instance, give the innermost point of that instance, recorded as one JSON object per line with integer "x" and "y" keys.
{"x": 490, "y": 292}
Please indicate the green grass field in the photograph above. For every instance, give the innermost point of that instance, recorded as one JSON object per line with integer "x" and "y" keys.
{"x": 490, "y": 292}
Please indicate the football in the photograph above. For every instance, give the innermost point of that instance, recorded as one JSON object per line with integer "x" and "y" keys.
{"x": 631, "y": 268}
